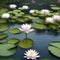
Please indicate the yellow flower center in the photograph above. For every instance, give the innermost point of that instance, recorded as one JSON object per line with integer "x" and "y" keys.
{"x": 31, "y": 52}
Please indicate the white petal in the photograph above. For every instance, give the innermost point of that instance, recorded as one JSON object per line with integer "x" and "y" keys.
{"x": 21, "y": 29}
{"x": 31, "y": 30}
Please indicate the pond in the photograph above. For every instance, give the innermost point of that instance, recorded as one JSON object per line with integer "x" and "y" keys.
{"x": 42, "y": 36}
{"x": 41, "y": 42}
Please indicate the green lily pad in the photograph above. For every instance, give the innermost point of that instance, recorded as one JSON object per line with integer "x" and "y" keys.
{"x": 39, "y": 26}
{"x": 55, "y": 8}
{"x": 46, "y": 59}
{"x": 3, "y": 27}
{"x": 26, "y": 43}
{"x": 15, "y": 31}
{"x": 7, "y": 49}
{"x": 3, "y": 21}
{"x": 53, "y": 26}
{"x": 13, "y": 41}
{"x": 2, "y": 41}
{"x": 12, "y": 21}
{"x": 7, "y": 59}
{"x": 3, "y": 10}
{"x": 2, "y": 36}
{"x": 54, "y": 48}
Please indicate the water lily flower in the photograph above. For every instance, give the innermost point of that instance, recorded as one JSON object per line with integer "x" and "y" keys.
{"x": 44, "y": 11}
{"x": 56, "y": 17}
{"x": 31, "y": 54}
{"x": 25, "y": 7}
{"x": 26, "y": 28}
{"x": 49, "y": 20}
{"x": 12, "y": 6}
{"x": 31, "y": 11}
{"x": 5, "y": 15}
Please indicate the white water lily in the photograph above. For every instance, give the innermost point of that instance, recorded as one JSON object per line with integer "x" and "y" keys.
{"x": 5, "y": 15}
{"x": 31, "y": 11}
{"x": 31, "y": 54}
{"x": 44, "y": 11}
{"x": 25, "y": 7}
{"x": 12, "y": 6}
{"x": 26, "y": 28}
{"x": 56, "y": 17}
{"x": 49, "y": 20}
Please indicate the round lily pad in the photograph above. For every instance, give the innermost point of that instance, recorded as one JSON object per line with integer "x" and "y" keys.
{"x": 39, "y": 26}
{"x": 54, "y": 48}
{"x": 15, "y": 31}
{"x": 2, "y": 41}
{"x": 2, "y": 36}
{"x": 3, "y": 27}
{"x": 7, "y": 49}
{"x": 3, "y": 21}
{"x": 26, "y": 43}
{"x": 13, "y": 41}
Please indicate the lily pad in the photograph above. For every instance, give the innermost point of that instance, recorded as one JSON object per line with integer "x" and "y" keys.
{"x": 7, "y": 49}
{"x": 54, "y": 48}
{"x": 3, "y": 21}
{"x": 2, "y": 41}
{"x": 39, "y": 26}
{"x": 15, "y": 31}
{"x": 26, "y": 43}
{"x": 53, "y": 26}
{"x": 2, "y": 36}
{"x": 3, "y": 27}
{"x": 3, "y": 10}
{"x": 55, "y": 8}
{"x": 7, "y": 59}
{"x": 13, "y": 41}
{"x": 46, "y": 59}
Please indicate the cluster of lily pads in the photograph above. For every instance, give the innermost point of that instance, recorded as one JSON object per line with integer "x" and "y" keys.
{"x": 38, "y": 19}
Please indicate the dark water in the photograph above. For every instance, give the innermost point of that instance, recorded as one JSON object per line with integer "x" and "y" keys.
{"x": 41, "y": 42}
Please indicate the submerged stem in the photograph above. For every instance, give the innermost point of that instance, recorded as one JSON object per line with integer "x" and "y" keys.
{"x": 26, "y": 37}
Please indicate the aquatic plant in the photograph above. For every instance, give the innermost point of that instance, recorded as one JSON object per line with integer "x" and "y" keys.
{"x": 31, "y": 54}
{"x": 25, "y": 7}
{"x": 26, "y": 28}
{"x": 13, "y": 6}
{"x": 54, "y": 48}
{"x": 5, "y": 15}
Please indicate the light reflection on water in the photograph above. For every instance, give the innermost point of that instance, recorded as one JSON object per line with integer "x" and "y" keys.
{"x": 41, "y": 42}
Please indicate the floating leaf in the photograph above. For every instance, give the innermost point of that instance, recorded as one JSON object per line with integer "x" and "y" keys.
{"x": 3, "y": 27}
{"x": 7, "y": 49}
{"x": 55, "y": 8}
{"x": 46, "y": 59}
{"x": 3, "y": 10}
{"x": 7, "y": 59}
{"x": 13, "y": 41}
{"x": 2, "y": 41}
{"x": 15, "y": 31}
{"x": 21, "y": 20}
{"x": 26, "y": 43}
{"x": 54, "y": 48}
{"x": 2, "y": 36}
{"x": 3, "y": 21}
{"x": 39, "y": 26}
{"x": 53, "y": 26}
